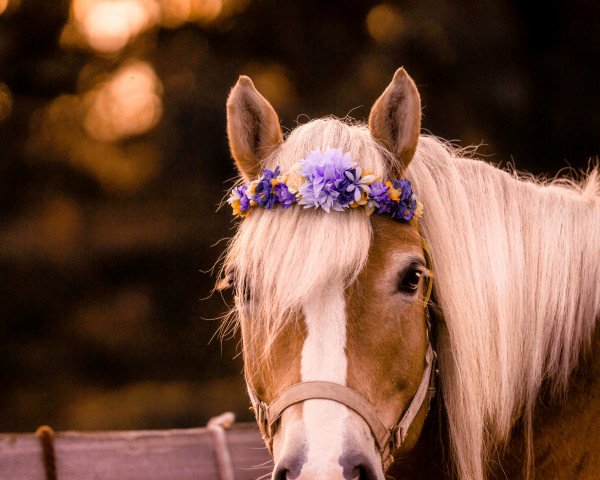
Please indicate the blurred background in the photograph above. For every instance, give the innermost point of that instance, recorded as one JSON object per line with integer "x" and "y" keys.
{"x": 113, "y": 158}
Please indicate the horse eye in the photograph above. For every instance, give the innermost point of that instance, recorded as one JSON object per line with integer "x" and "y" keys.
{"x": 409, "y": 282}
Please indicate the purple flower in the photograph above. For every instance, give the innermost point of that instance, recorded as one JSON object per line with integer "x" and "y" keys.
{"x": 380, "y": 198}
{"x": 345, "y": 188}
{"x": 239, "y": 200}
{"x": 326, "y": 180}
{"x": 379, "y": 193}
{"x": 405, "y": 188}
{"x": 244, "y": 200}
{"x": 271, "y": 174}
{"x": 404, "y": 209}
{"x": 359, "y": 186}
{"x": 284, "y": 196}
{"x": 263, "y": 193}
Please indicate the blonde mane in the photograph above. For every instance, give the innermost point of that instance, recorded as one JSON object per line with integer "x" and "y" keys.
{"x": 515, "y": 264}
{"x": 517, "y": 280}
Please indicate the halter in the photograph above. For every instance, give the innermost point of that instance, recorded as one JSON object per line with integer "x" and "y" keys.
{"x": 388, "y": 439}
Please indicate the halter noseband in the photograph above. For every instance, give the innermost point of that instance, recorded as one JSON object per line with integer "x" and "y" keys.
{"x": 389, "y": 439}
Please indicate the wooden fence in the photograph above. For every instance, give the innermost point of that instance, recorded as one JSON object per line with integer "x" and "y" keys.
{"x": 220, "y": 452}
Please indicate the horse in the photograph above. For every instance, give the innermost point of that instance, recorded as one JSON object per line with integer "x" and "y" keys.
{"x": 461, "y": 343}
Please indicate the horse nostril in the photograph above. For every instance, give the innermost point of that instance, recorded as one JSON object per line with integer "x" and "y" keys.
{"x": 365, "y": 472}
{"x": 362, "y": 474}
{"x": 280, "y": 474}
{"x": 358, "y": 467}
{"x": 289, "y": 466}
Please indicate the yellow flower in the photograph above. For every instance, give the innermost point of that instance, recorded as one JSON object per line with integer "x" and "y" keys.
{"x": 419, "y": 210}
{"x": 368, "y": 177}
{"x": 294, "y": 179}
{"x": 252, "y": 187}
{"x": 235, "y": 205}
{"x": 393, "y": 193}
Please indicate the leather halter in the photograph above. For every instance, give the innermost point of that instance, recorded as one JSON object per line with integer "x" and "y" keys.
{"x": 388, "y": 439}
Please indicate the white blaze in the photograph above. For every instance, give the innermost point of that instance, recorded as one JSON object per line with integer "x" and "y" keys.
{"x": 324, "y": 358}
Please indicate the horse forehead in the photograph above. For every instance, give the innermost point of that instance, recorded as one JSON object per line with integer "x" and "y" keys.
{"x": 393, "y": 245}
{"x": 391, "y": 235}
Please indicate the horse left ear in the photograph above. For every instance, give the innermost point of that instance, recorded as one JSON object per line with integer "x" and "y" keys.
{"x": 395, "y": 119}
{"x": 252, "y": 127}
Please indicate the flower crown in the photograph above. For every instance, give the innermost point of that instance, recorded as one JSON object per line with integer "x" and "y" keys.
{"x": 331, "y": 181}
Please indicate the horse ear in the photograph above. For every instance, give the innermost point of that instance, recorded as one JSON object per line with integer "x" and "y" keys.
{"x": 252, "y": 127}
{"x": 395, "y": 119}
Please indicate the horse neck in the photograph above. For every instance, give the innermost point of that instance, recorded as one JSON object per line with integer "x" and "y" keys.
{"x": 517, "y": 280}
{"x": 524, "y": 254}
{"x": 561, "y": 254}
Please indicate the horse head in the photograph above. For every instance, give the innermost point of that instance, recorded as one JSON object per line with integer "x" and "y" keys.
{"x": 332, "y": 305}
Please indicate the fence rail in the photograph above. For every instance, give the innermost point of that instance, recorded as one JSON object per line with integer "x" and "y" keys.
{"x": 198, "y": 453}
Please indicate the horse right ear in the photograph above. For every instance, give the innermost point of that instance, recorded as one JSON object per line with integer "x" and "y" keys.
{"x": 395, "y": 119}
{"x": 252, "y": 127}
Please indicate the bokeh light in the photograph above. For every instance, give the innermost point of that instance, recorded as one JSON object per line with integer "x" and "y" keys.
{"x": 128, "y": 104}
{"x": 107, "y": 26}
{"x": 81, "y": 130}
{"x": 176, "y": 12}
{"x": 385, "y": 23}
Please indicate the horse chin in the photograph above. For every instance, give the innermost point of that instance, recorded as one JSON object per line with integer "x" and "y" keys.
{"x": 344, "y": 451}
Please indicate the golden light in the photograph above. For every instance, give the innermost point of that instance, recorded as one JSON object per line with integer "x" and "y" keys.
{"x": 108, "y": 26}
{"x": 385, "y": 23}
{"x": 131, "y": 94}
{"x": 205, "y": 11}
{"x": 128, "y": 104}
{"x": 6, "y": 102}
{"x": 274, "y": 82}
{"x": 7, "y": 6}
{"x": 176, "y": 12}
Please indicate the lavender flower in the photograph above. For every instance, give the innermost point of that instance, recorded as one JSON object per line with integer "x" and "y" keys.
{"x": 326, "y": 179}
{"x": 284, "y": 196}
{"x": 359, "y": 186}
{"x": 379, "y": 195}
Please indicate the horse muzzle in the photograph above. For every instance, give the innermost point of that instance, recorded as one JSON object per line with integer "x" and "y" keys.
{"x": 324, "y": 440}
